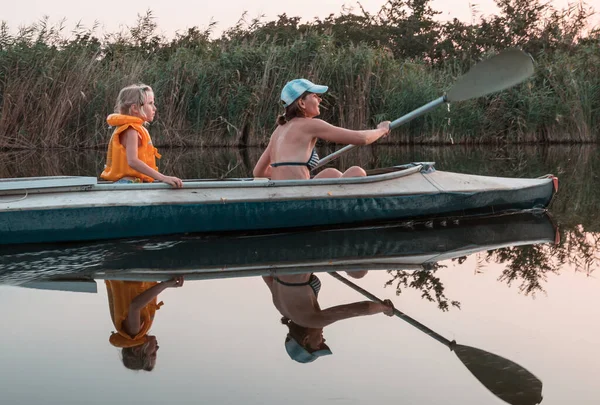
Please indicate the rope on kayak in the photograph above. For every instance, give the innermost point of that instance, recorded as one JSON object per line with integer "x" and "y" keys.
{"x": 17, "y": 200}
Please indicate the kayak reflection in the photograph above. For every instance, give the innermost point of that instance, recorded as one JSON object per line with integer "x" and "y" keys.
{"x": 296, "y": 297}
{"x": 399, "y": 246}
{"x": 132, "y": 307}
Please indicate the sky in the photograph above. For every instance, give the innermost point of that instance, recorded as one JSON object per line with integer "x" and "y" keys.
{"x": 178, "y": 15}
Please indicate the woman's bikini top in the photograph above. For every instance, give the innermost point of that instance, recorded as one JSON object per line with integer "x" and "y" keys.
{"x": 313, "y": 282}
{"x": 313, "y": 161}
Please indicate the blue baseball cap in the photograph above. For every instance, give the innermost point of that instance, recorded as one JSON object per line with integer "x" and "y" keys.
{"x": 297, "y": 352}
{"x": 295, "y": 88}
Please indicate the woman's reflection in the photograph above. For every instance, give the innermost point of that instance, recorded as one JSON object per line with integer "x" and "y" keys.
{"x": 132, "y": 307}
{"x": 295, "y": 296}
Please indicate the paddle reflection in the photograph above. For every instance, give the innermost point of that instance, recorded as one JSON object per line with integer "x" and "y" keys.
{"x": 132, "y": 307}
{"x": 504, "y": 378}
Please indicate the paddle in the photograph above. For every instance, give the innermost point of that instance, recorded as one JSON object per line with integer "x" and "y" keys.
{"x": 504, "y": 378}
{"x": 499, "y": 72}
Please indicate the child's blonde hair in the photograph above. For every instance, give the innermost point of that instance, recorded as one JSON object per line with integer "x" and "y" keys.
{"x": 129, "y": 96}
{"x": 136, "y": 358}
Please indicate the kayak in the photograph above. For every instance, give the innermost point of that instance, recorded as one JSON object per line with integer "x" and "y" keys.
{"x": 65, "y": 209}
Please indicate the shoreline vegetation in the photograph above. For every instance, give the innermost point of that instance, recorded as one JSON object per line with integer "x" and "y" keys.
{"x": 57, "y": 87}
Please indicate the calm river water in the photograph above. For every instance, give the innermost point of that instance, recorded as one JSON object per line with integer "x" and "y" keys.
{"x": 522, "y": 287}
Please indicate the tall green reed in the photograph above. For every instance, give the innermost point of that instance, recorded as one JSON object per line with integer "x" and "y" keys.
{"x": 56, "y": 89}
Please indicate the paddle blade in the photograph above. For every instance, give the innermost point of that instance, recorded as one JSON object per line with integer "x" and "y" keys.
{"x": 499, "y": 72}
{"x": 504, "y": 378}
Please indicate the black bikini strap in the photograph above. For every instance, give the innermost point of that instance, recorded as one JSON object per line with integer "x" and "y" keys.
{"x": 292, "y": 284}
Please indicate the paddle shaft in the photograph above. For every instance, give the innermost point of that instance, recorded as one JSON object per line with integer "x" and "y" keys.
{"x": 394, "y": 124}
{"x": 398, "y": 313}
{"x": 497, "y": 73}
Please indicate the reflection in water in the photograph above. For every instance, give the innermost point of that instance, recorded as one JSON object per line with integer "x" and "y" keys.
{"x": 412, "y": 253}
{"x": 526, "y": 266}
{"x": 288, "y": 263}
{"x": 530, "y": 266}
{"x": 506, "y": 379}
{"x": 432, "y": 289}
{"x": 296, "y": 297}
{"x": 132, "y": 307}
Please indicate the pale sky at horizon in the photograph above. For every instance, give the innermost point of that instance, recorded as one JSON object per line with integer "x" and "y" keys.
{"x": 171, "y": 15}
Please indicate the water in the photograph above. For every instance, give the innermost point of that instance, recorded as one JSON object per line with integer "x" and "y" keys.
{"x": 500, "y": 285}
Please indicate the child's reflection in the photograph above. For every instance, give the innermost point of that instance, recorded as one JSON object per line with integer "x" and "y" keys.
{"x": 132, "y": 306}
{"x": 295, "y": 296}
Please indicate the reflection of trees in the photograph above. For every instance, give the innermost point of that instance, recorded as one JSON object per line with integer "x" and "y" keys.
{"x": 425, "y": 281}
{"x": 580, "y": 249}
{"x": 528, "y": 266}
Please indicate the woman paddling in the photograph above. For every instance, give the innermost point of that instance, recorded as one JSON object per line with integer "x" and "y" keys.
{"x": 295, "y": 296}
{"x": 291, "y": 151}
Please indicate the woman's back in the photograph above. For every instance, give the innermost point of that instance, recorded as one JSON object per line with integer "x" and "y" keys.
{"x": 295, "y": 296}
{"x": 291, "y": 150}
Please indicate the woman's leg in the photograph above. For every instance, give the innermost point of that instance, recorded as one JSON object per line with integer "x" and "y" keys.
{"x": 329, "y": 173}
{"x": 357, "y": 273}
{"x": 355, "y": 171}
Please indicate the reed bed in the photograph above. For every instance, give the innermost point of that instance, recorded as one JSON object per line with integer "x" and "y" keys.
{"x": 56, "y": 88}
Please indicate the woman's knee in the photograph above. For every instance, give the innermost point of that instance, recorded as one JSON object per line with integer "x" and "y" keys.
{"x": 355, "y": 171}
{"x": 357, "y": 273}
{"x": 329, "y": 173}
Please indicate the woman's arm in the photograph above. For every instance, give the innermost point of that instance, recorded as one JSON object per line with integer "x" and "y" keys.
{"x": 130, "y": 139}
{"x": 323, "y": 130}
{"x": 269, "y": 282}
{"x": 132, "y": 324}
{"x": 322, "y": 318}
{"x": 263, "y": 166}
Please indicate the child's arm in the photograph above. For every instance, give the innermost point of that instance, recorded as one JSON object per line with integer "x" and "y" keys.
{"x": 132, "y": 324}
{"x": 130, "y": 139}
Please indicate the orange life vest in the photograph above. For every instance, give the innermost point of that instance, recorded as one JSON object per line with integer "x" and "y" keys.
{"x": 116, "y": 159}
{"x": 120, "y": 294}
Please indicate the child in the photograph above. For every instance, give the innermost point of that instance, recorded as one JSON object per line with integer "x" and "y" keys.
{"x": 132, "y": 307}
{"x": 131, "y": 156}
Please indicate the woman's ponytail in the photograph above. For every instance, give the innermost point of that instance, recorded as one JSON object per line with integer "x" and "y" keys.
{"x": 281, "y": 120}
